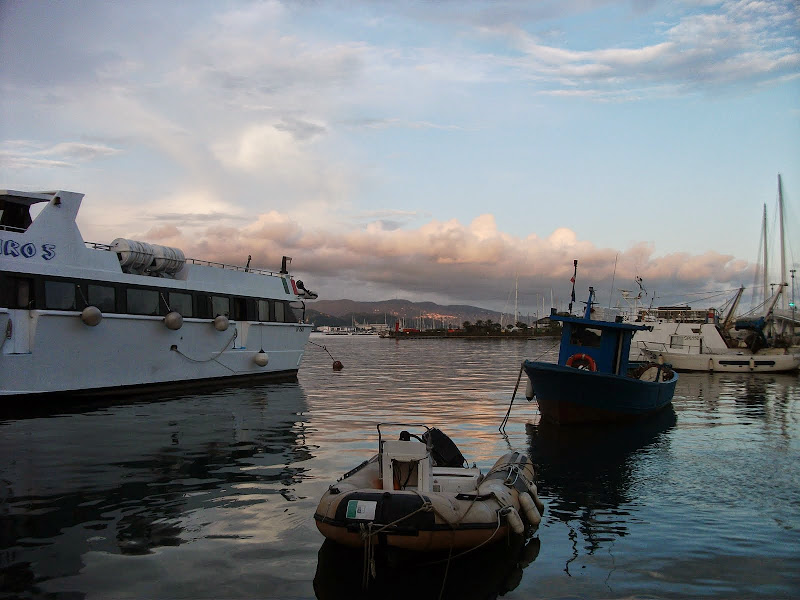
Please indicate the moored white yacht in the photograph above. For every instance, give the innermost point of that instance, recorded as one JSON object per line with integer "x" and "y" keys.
{"x": 87, "y": 318}
{"x": 703, "y": 340}
{"x": 703, "y": 347}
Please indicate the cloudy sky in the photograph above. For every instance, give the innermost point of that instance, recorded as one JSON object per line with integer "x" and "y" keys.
{"x": 427, "y": 150}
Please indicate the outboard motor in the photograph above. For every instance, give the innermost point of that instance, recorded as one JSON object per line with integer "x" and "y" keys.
{"x": 444, "y": 451}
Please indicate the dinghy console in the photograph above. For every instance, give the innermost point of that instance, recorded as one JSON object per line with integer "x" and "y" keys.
{"x": 428, "y": 463}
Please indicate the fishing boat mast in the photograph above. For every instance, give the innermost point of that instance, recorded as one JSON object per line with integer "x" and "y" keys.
{"x": 728, "y": 320}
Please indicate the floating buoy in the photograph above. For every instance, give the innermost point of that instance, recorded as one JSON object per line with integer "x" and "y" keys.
{"x": 529, "y": 509}
{"x": 173, "y": 320}
{"x": 514, "y": 520}
{"x": 534, "y": 492}
{"x": 261, "y": 358}
{"x": 221, "y": 323}
{"x": 337, "y": 365}
{"x": 91, "y": 316}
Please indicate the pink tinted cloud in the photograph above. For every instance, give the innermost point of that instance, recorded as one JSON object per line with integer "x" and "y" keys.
{"x": 448, "y": 258}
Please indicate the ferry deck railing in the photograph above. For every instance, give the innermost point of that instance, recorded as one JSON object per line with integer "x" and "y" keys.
{"x": 12, "y": 228}
{"x": 197, "y": 261}
{"x": 664, "y": 347}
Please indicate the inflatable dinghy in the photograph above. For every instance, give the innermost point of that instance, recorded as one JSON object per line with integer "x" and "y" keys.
{"x": 418, "y": 493}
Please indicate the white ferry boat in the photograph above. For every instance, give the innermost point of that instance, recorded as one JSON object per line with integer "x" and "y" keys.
{"x": 86, "y": 318}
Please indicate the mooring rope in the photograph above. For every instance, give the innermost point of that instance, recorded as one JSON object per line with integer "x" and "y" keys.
{"x": 214, "y": 358}
{"x": 502, "y": 428}
{"x": 368, "y": 567}
{"x": 337, "y": 365}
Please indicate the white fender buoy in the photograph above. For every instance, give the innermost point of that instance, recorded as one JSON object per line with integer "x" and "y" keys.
{"x": 529, "y": 509}
{"x": 221, "y": 323}
{"x": 534, "y": 492}
{"x": 529, "y": 390}
{"x": 173, "y": 320}
{"x": 91, "y": 316}
{"x": 261, "y": 358}
{"x": 513, "y": 518}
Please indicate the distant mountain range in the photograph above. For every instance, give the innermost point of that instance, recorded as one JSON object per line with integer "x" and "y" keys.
{"x": 420, "y": 315}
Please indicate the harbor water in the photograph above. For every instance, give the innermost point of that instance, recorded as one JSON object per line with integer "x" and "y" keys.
{"x": 212, "y": 494}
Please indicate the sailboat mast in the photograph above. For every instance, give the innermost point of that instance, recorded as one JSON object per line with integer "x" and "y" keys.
{"x": 764, "y": 236}
{"x": 516, "y": 294}
{"x": 783, "y": 250}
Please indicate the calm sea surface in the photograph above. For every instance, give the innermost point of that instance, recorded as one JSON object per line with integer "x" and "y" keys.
{"x": 212, "y": 495}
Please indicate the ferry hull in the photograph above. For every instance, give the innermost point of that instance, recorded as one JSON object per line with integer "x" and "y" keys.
{"x": 53, "y": 352}
{"x": 566, "y": 395}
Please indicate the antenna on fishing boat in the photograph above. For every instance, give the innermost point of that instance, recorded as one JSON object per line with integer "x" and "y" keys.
{"x": 613, "y": 277}
{"x": 574, "y": 275}
{"x": 588, "y": 313}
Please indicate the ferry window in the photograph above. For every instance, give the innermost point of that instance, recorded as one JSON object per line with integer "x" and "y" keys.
{"x": 25, "y": 296}
{"x": 293, "y": 309}
{"x": 181, "y": 302}
{"x": 279, "y": 311}
{"x": 263, "y": 310}
{"x": 203, "y": 306}
{"x": 59, "y": 295}
{"x": 239, "y": 309}
{"x": 220, "y": 305}
{"x": 142, "y": 302}
{"x": 585, "y": 336}
{"x": 16, "y": 292}
{"x": 252, "y": 309}
{"x": 103, "y": 297}
{"x": 14, "y": 216}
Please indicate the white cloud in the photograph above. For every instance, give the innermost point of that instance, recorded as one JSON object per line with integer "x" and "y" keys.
{"x": 79, "y": 151}
{"x": 30, "y": 154}
{"x": 740, "y": 43}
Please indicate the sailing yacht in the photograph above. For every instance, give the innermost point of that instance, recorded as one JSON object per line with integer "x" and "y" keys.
{"x": 709, "y": 347}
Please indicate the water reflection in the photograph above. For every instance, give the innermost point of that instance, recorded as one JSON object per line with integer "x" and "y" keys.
{"x": 484, "y": 573}
{"x": 586, "y": 475}
{"x": 755, "y": 398}
{"x": 128, "y": 479}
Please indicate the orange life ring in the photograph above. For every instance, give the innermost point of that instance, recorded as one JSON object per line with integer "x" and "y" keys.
{"x": 582, "y": 361}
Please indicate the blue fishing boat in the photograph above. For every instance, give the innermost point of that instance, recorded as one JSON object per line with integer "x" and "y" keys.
{"x": 593, "y": 381}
